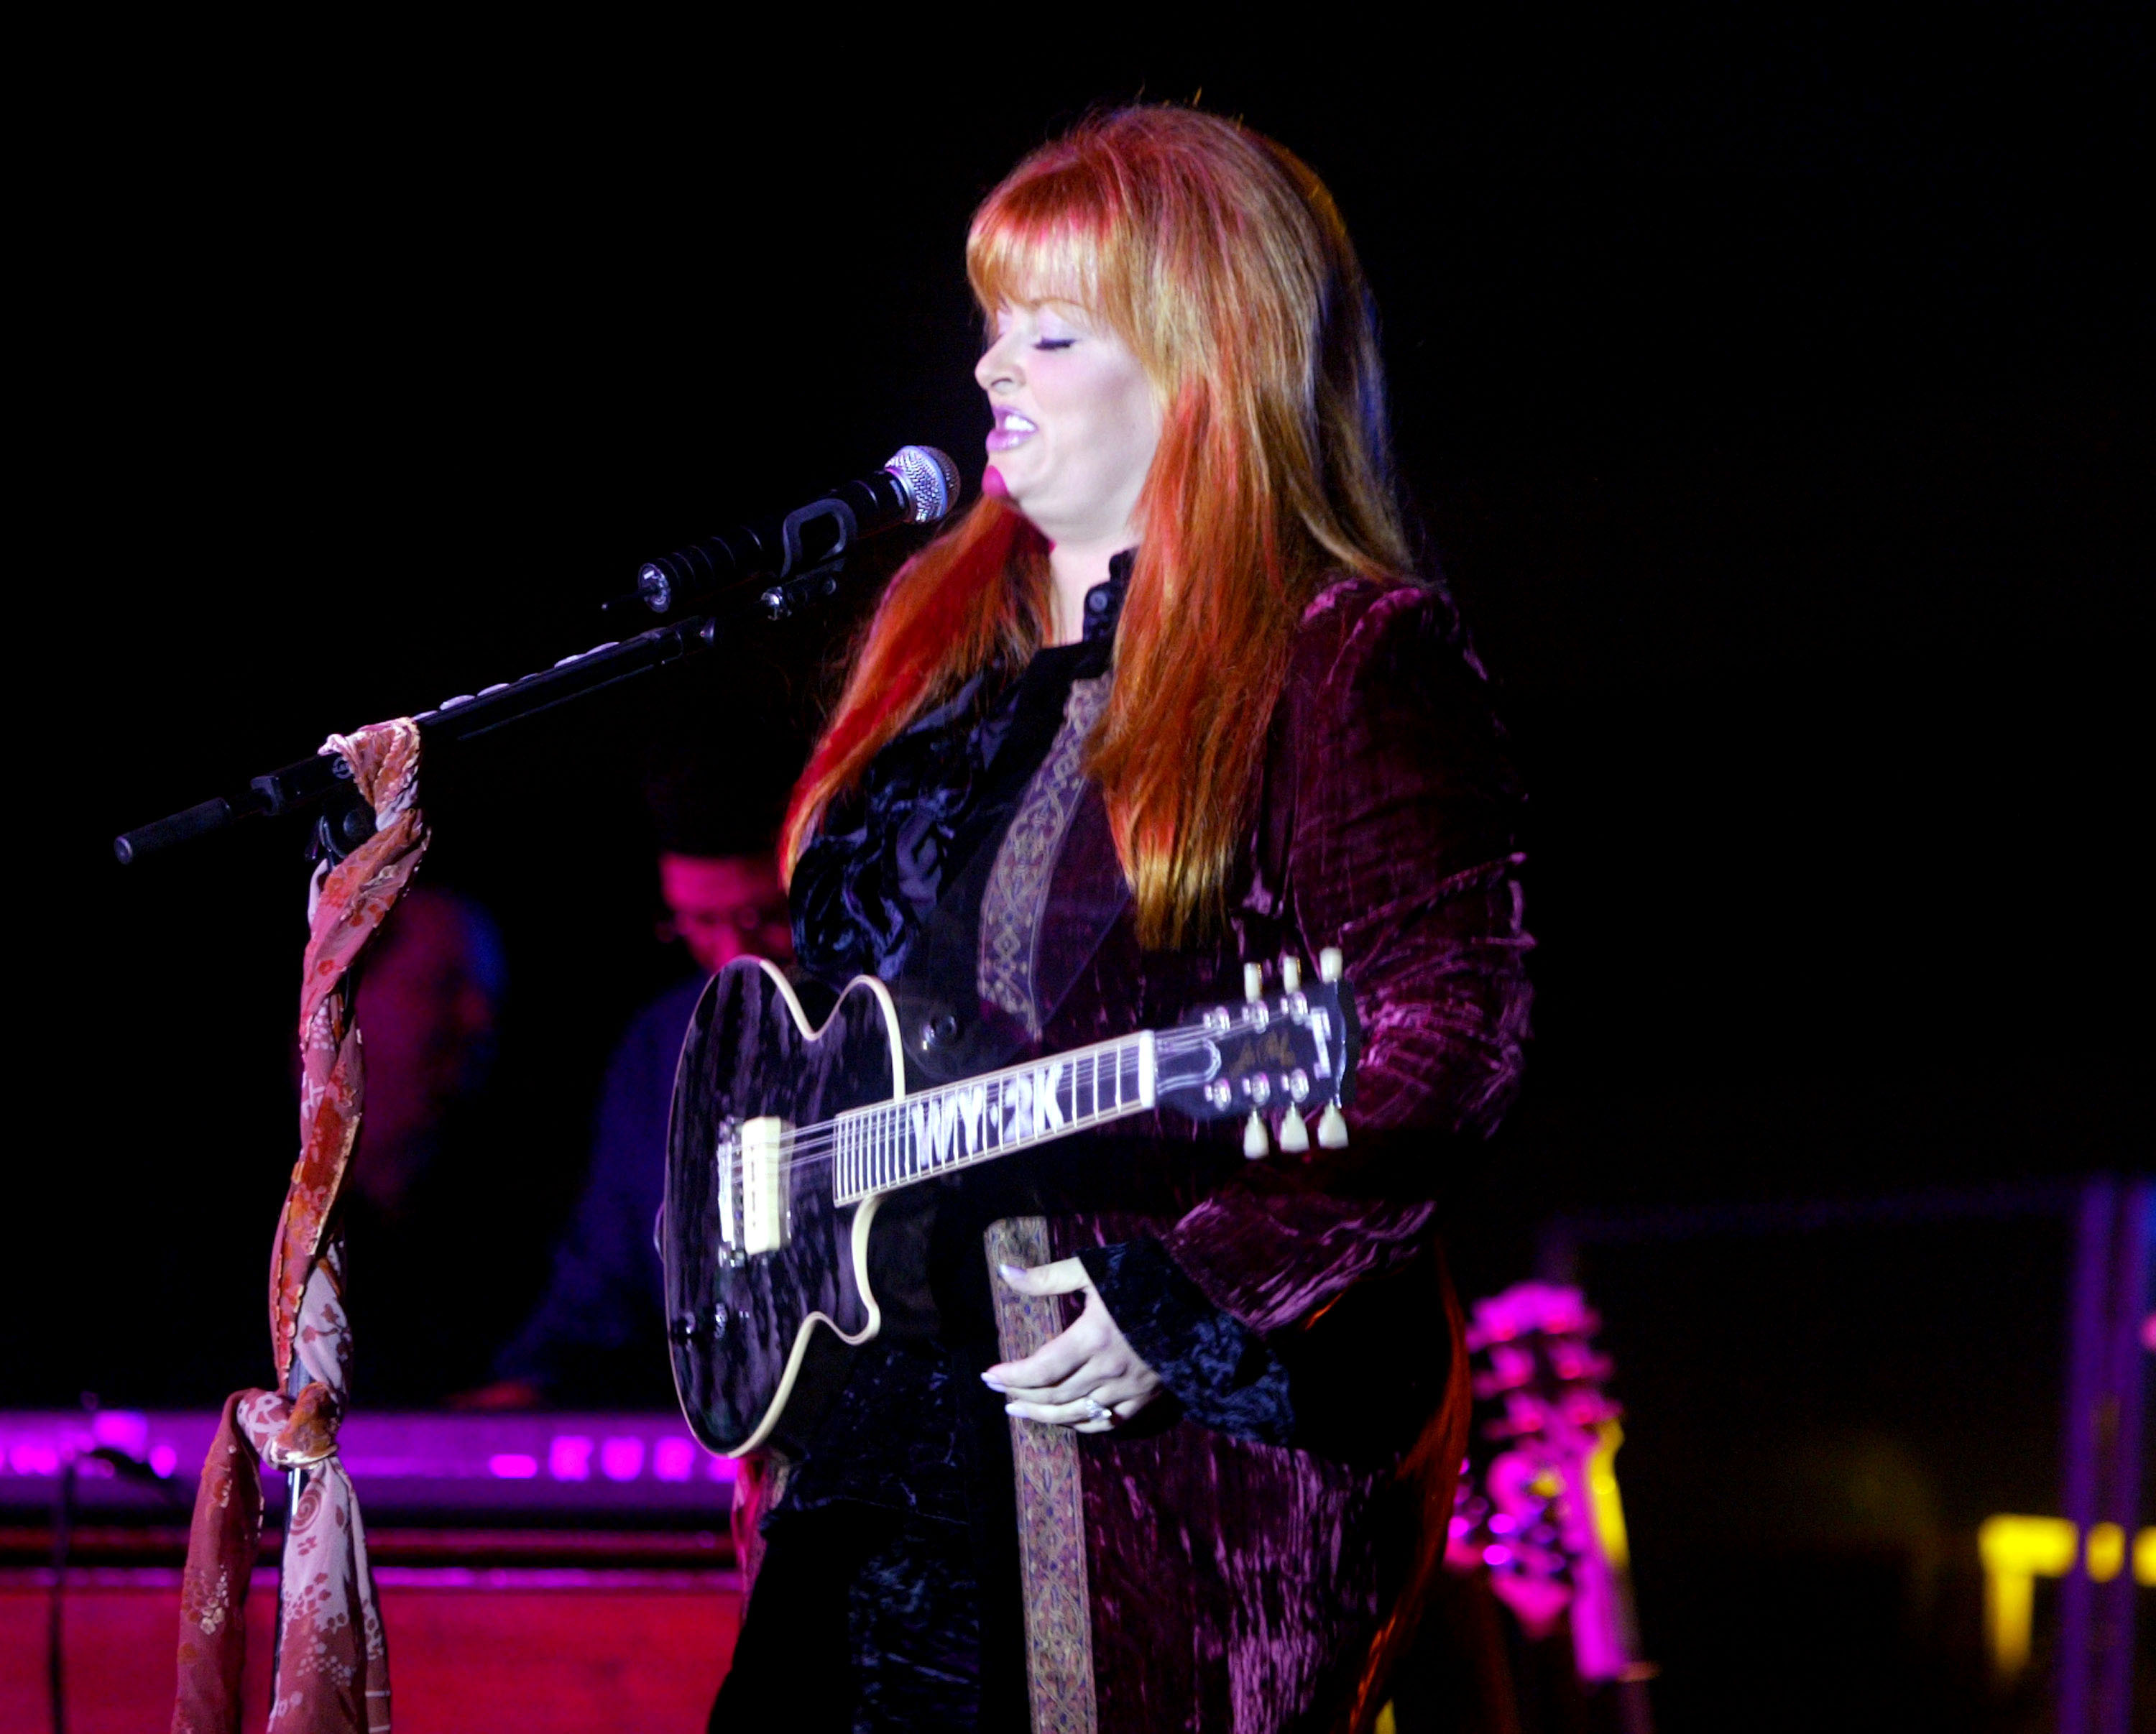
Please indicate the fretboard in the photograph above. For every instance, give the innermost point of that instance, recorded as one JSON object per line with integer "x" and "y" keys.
{"x": 894, "y": 1144}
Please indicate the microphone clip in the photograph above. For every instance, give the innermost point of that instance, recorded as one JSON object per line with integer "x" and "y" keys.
{"x": 780, "y": 602}
{"x": 789, "y": 533}
{"x": 795, "y": 588}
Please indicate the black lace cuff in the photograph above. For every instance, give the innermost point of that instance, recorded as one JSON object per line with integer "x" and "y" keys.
{"x": 1220, "y": 1369}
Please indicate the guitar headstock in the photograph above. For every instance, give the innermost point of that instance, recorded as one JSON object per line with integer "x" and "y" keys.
{"x": 1278, "y": 1058}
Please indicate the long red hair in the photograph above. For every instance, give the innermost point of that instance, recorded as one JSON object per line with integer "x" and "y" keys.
{"x": 1221, "y": 260}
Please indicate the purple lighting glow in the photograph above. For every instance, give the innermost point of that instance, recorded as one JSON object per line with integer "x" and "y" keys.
{"x": 622, "y": 1459}
{"x": 673, "y": 1459}
{"x": 569, "y": 1457}
{"x": 34, "y": 1458}
{"x": 513, "y": 1465}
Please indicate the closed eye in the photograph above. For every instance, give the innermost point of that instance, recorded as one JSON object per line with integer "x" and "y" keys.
{"x": 1054, "y": 342}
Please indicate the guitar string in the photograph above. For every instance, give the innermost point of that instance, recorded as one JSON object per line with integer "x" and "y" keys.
{"x": 816, "y": 1145}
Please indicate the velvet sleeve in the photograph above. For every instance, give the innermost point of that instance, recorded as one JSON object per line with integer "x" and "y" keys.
{"x": 1397, "y": 812}
{"x": 1225, "y": 1375}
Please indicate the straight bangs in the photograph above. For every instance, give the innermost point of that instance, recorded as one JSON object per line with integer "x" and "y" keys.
{"x": 1054, "y": 238}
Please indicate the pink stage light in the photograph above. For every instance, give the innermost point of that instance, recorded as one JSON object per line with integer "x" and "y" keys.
{"x": 622, "y": 1459}
{"x": 33, "y": 1457}
{"x": 513, "y": 1465}
{"x": 569, "y": 1457}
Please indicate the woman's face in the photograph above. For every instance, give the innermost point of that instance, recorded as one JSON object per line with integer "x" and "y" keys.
{"x": 1076, "y": 421}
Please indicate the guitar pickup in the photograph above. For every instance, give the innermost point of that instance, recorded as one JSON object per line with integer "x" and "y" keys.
{"x": 766, "y": 1220}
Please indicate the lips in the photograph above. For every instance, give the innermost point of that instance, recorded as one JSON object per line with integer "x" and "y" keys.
{"x": 1011, "y": 429}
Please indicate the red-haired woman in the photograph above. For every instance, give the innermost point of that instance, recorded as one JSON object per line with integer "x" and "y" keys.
{"x": 1168, "y": 701}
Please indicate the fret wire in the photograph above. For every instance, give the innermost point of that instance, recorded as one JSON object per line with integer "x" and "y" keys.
{"x": 876, "y": 1148}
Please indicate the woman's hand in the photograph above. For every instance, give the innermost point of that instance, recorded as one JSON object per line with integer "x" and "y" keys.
{"x": 1088, "y": 1378}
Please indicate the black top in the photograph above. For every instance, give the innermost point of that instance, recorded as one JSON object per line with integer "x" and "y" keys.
{"x": 892, "y": 887}
{"x": 916, "y": 1429}
{"x": 936, "y": 799}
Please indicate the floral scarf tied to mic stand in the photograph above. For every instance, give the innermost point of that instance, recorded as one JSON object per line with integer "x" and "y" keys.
{"x": 333, "y": 1665}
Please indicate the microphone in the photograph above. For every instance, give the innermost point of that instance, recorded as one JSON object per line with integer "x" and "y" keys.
{"x": 919, "y": 485}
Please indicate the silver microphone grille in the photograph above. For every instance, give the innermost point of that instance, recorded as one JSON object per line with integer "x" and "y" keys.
{"x": 930, "y": 479}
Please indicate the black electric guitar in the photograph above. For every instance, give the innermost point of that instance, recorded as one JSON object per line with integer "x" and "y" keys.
{"x": 783, "y": 1140}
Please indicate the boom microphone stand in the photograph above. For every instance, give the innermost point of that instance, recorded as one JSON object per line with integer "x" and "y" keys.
{"x": 766, "y": 574}
{"x": 370, "y": 837}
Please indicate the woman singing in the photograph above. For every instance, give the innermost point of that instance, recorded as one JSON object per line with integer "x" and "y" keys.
{"x": 1156, "y": 1434}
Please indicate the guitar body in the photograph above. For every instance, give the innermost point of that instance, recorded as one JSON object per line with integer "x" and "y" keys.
{"x": 783, "y": 1138}
{"x": 757, "y": 1336}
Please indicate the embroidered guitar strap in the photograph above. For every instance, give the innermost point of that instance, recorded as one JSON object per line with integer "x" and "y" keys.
{"x": 1051, "y": 1505}
{"x": 1031, "y": 952}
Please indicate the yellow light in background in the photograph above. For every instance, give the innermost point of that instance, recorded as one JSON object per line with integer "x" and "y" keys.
{"x": 1602, "y": 1490}
{"x": 2017, "y": 1550}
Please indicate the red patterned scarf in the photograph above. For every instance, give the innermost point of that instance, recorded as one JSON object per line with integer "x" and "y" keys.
{"x": 333, "y": 1666}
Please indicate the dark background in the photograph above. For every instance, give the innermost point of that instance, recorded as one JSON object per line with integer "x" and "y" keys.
{"x": 1772, "y": 393}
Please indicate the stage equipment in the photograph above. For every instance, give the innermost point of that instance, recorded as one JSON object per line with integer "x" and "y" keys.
{"x": 784, "y": 1141}
{"x": 918, "y": 486}
{"x": 767, "y": 572}
{"x": 1538, "y": 1510}
{"x": 583, "y": 1543}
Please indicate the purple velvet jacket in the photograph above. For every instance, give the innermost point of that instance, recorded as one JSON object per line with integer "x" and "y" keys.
{"x": 1256, "y": 1567}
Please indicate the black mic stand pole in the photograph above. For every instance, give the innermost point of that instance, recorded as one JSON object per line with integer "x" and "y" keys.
{"x": 323, "y": 781}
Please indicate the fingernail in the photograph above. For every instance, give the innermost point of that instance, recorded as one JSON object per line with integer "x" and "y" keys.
{"x": 1011, "y": 1271}
{"x": 993, "y": 1384}
{"x": 1012, "y": 1408}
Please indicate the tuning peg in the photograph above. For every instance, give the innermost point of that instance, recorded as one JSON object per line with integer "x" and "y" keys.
{"x": 1329, "y": 963}
{"x": 1294, "y": 1135}
{"x": 1291, "y": 974}
{"x": 1255, "y": 1143}
{"x": 1254, "y": 981}
{"x": 1332, "y": 1128}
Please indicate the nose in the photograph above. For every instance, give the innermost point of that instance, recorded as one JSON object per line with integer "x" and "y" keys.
{"x": 999, "y": 364}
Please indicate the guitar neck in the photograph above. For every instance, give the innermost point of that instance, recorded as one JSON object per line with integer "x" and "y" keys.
{"x": 894, "y": 1144}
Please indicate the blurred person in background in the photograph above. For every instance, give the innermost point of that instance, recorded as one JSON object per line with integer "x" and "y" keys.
{"x": 597, "y": 1336}
{"x": 430, "y": 1007}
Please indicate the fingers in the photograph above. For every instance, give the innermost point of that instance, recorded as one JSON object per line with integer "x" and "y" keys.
{"x": 1064, "y": 1355}
{"x": 1086, "y": 1377}
{"x": 1100, "y": 1412}
{"x": 1099, "y": 1370}
{"x": 1066, "y": 1276}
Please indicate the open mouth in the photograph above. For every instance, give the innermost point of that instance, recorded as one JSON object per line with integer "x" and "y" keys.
{"x": 1011, "y": 429}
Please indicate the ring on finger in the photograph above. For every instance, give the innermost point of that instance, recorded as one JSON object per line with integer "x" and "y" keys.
{"x": 1095, "y": 1410}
